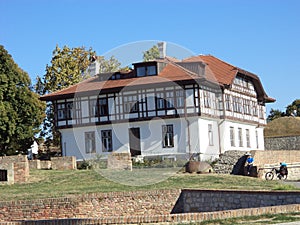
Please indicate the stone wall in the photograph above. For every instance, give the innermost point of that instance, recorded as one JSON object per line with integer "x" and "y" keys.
{"x": 63, "y": 163}
{"x": 230, "y": 162}
{"x": 282, "y": 143}
{"x": 208, "y": 201}
{"x": 119, "y": 161}
{"x": 21, "y": 167}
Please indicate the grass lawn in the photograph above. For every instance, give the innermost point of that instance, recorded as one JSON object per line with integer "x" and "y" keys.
{"x": 52, "y": 183}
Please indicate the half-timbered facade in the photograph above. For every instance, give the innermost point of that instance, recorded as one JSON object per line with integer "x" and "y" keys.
{"x": 165, "y": 107}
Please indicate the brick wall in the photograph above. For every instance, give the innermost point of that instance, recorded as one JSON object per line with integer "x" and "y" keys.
{"x": 21, "y": 167}
{"x": 98, "y": 205}
{"x": 63, "y": 163}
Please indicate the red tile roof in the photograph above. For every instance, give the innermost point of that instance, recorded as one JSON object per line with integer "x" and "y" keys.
{"x": 216, "y": 70}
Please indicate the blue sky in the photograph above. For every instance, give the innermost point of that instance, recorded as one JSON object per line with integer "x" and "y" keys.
{"x": 261, "y": 36}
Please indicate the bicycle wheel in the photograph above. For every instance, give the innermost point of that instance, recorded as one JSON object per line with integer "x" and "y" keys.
{"x": 283, "y": 177}
{"x": 269, "y": 176}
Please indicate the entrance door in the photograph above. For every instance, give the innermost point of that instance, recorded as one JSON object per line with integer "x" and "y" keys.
{"x": 134, "y": 141}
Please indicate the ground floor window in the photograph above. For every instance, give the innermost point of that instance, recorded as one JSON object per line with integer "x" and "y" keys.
{"x": 248, "y": 138}
{"x": 232, "y": 138}
{"x": 90, "y": 144}
{"x": 240, "y": 137}
{"x": 106, "y": 137}
{"x": 168, "y": 136}
{"x": 210, "y": 134}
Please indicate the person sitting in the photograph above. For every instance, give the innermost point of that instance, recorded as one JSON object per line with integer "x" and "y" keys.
{"x": 249, "y": 162}
{"x": 283, "y": 169}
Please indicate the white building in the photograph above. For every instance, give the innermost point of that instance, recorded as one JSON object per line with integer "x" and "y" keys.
{"x": 165, "y": 107}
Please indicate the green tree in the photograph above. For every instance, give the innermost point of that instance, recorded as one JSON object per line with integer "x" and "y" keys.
{"x": 21, "y": 111}
{"x": 68, "y": 67}
{"x": 274, "y": 114}
{"x": 151, "y": 54}
{"x": 294, "y": 108}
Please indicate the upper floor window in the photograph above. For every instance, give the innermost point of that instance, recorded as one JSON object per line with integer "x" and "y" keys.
{"x": 227, "y": 102}
{"x": 93, "y": 107}
{"x": 103, "y": 106}
{"x": 131, "y": 104}
{"x": 142, "y": 71}
{"x": 64, "y": 110}
{"x": 179, "y": 99}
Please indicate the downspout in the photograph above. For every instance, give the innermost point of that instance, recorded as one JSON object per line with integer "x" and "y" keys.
{"x": 188, "y": 128}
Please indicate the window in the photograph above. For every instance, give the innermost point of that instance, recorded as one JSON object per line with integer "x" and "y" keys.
{"x": 90, "y": 145}
{"x": 69, "y": 110}
{"x": 65, "y": 111}
{"x": 61, "y": 111}
{"x": 106, "y": 137}
{"x": 169, "y": 99}
{"x": 248, "y": 138}
{"x": 261, "y": 112}
{"x": 103, "y": 106}
{"x": 210, "y": 134}
{"x": 179, "y": 99}
{"x": 232, "y": 138}
{"x": 227, "y": 102}
{"x": 151, "y": 70}
{"x": 207, "y": 99}
{"x": 168, "y": 136}
{"x": 160, "y": 101}
{"x": 254, "y": 108}
{"x": 256, "y": 136}
{"x": 130, "y": 104}
{"x": 141, "y": 71}
{"x": 247, "y": 108}
{"x": 146, "y": 71}
{"x": 93, "y": 107}
{"x": 240, "y": 137}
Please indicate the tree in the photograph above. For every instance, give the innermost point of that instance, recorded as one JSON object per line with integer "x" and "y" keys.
{"x": 68, "y": 67}
{"x": 21, "y": 111}
{"x": 294, "y": 108}
{"x": 274, "y": 114}
{"x": 151, "y": 54}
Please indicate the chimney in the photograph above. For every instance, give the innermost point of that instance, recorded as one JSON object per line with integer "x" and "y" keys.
{"x": 162, "y": 49}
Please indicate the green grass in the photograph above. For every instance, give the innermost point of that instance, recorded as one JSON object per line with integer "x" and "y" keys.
{"x": 284, "y": 126}
{"x": 52, "y": 183}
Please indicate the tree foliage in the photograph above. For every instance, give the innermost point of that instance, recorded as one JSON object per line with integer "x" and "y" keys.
{"x": 151, "y": 54}
{"x": 21, "y": 111}
{"x": 68, "y": 67}
{"x": 275, "y": 114}
{"x": 293, "y": 109}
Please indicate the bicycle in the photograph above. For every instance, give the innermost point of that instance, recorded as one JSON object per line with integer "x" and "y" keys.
{"x": 275, "y": 172}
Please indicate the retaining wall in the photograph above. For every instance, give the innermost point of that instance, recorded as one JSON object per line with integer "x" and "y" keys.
{"x": 282, "y": 143}
{"x": 207, "y": 201}
{"x": 113, "y": 204}
{"x": 155, "y": 206}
